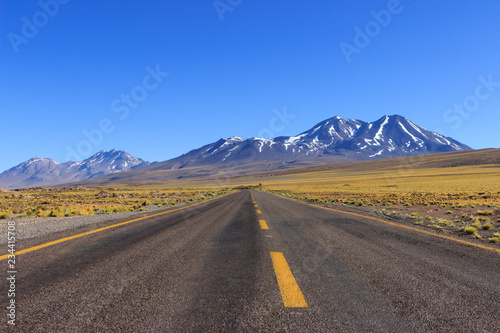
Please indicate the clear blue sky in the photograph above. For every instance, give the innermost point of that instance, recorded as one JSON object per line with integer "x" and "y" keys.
{"x": 69, "y": 69}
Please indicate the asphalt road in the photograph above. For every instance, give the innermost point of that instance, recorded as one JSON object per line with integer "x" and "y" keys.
{"x": 209, "y": 269}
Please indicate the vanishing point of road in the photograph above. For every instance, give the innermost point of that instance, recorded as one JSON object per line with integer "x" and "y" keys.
{"x": 254, "y": 262}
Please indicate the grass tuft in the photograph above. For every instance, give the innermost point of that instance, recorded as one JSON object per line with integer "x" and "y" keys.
{"x": 494, "y": 240}
{"x": 487, "y": 226}
{"x": 469, "y": 229}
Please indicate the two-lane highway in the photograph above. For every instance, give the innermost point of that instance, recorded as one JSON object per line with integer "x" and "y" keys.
{"x": 216, "y": 267}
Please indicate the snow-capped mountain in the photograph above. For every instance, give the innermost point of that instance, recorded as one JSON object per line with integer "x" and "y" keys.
{"x": 332, "y": 140}
{"x": 40, "y": 171}
{"x": 395, "y": 136}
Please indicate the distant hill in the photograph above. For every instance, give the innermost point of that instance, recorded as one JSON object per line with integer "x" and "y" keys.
{"x": 40, "y": 171}
{"x": 332, "y": 140}
{"x": 481, "y": 157}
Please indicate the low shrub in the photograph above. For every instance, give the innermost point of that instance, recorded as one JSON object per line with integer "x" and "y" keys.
{"x": 469, "y": 229}
{"x": 487, "y": 226}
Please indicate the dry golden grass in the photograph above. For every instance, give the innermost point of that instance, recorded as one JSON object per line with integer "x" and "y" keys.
{"x": 477, "y": 185}
{"x": 446, "y": 192}
{"x": 443, "y": 199}
{"x": 72, "y": 201}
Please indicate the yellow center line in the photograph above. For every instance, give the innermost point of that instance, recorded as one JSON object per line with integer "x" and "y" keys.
{"x": 259, "y": 212}
{"x": 256, "y": 206}
{"x": 407, "y": 227}
{"x": 290, "y": 291}
{"x": 61, "y": 240}
{"x": 263, "y": 224}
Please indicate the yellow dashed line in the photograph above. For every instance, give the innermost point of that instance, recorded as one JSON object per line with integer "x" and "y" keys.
{"x": 263, "y": 224}
{"x": 41, "y": 246}
{"x": 290, "y": 291}
{"x": 259, "y": 212}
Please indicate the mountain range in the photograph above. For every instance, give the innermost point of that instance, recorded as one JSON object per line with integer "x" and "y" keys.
{"x": 39, "y": 171}
{"x": 332, "y": 140}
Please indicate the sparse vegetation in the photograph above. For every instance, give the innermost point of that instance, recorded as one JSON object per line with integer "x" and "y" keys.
{"x": 437, "y": 227}
{"x": 444, "y": 197}
{"x": 72, "y": 201}
{"x": 487, "y": 226}
{"x": 484, "y": 212}
{"x": 469, "y": 229}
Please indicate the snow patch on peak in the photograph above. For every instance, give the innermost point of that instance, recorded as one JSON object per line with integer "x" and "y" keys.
{"x": 378, "y": 135}
{"x": 442, "y": 137}
{"x": 350, "y": 131}
{"x": 37, "y": 160}
{"x": 417, "y": 128}
{"x": 332, "y": 131}
{"x": 262, "y": 142}
{"x": 294, "y": 139}
{"x": 415, "y": 139}
{"x": 376, "y": 154}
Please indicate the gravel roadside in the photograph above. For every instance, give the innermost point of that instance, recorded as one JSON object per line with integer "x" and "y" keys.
{"x": 30, "y": 227}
